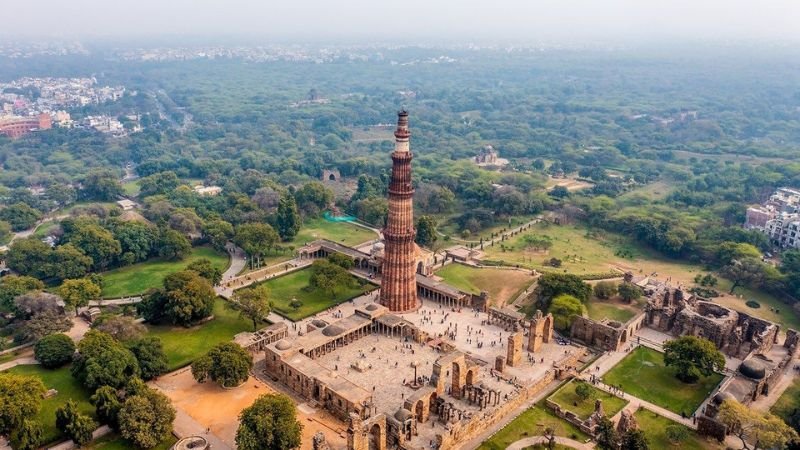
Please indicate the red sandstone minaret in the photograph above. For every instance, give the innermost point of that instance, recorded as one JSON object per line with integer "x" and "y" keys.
{"x": 399, "y": 283}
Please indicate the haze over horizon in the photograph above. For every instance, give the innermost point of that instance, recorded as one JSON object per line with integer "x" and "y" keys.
{"x": 415, "y": 20}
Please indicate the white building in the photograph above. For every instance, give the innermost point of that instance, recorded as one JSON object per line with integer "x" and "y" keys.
{"x": 784, "y": 230}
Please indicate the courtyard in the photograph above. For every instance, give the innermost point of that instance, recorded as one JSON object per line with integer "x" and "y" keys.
{"x": 568, "y": 400}
{"x": 295, "y": 285}
{"x": 642, "y": 373}
{"x": 502, "y": 285}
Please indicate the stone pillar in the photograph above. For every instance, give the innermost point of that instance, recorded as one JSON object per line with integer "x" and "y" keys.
{"x": 514, "y": 349}
{"x": 500, "y": 363}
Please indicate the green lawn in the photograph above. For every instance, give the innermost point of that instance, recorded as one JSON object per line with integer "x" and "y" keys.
{"x": 295, "y": 285}
{"x": 44, "y": 229}
{"x": 342, "y": 232}
{"x": 114, "y": 441}
{"x": 532, "y": 422}
{"x": 788, "y": 401}
{"x": 787, "y": 318}
{"x": 566, "y": 398}
{"x": 138, "y": 278}
{"x": 68, "y": 388}
{"x": 184, "y": 345}
{"x": 609, "y": 309}
{"x": 654, "y": 425}
{"x": 643, "y": 374}
{"x": 502, "y": 285}
{"x": 131, "y": 188}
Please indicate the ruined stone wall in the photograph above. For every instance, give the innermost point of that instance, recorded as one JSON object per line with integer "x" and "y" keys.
{"x": 597, "y": 334}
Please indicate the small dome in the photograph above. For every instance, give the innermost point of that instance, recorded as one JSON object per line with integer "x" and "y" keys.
{"x": 402, "y": 414}
{"x": 753, "y": 369}
{"x": 283, "y": 344}
{"x": 722, "y": 396}
{"x": 319, "y": 323}
{"x": 371, "y": 307}
{"x": 332, "y": 330}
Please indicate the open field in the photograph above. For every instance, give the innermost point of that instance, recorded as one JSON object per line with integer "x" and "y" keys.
{"x": 788, "y": 401}
{"x": 44, "y": 229}
{"x": 114, "y": 441}
{"x": 184, "y": 345}
{"x": 296, "y": 285}
{"x": 584, "y": 252}
{"x": 643, "y": 374}
{"x": 570, "y": 183}
{"x": 342, "y": 232}
{"x": 448, "y": 226}
{"x": 532, "y": 422}
{"x": 131, "y": 188}
{"x": 654, "y": 427}
{"x": 653, "y": 191}
{"x": 138, "y": 278}
{"x": 502, "y": 285}
{"x": 68, "y": 389}
{"x": 566, "y": 398}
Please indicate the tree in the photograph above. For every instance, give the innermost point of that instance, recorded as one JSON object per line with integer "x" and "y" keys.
{"x": 606, "y": 435}
{"x": 185, "y": 298}
{"x": 146, "y": 418}
{"x": 676, "y": 433}
{"x": 206, "y": 269}
{"x": 584, "y": 391}
{"x": 227, "y": 364}
{"x": 28, "y": 436}
{"x": 564, "y": 309}
{"x": 67, "y": 261}
{"x": 692, "y": 357}
{"x": 103, "y": 361}
{"x": 744, "y": 271}
{"x": 158, "y": 183}
{"x": 102, "y": 185}
{"x": 173, "y": 244}
{"x": 20, "y": 216}
{"x": 149, "y": 353}
{"x": 121, "y": 328}
{"x": 20, "y": 398}
{"x": 763, "y": 430}
{"x": 42, "y": 314}
{"x": 78, "y": 293}
{"x": 137, "y": 240}
{"x": 605, "y": 289}
{"x": 218, "y": 232}
{"x": 29, "y": 257}
{"x": 54, "y": 350}
{"x": 629, "y": 291}
{"x": 426, "y": 231}
{"x": 253, "y": 303}
{"x": 313, "y": 197}
{"x": 288, "y": 219}
{"x": 256, "y": 239}
{"x": 559, "y": 192}
{"x": 551, "y": 285}
{"x": 634, "y": 439}
{"x": 270, "y": 423}
{"x": 74, "y": 424}
{"x": 341, "y": 260}
{"x": 107, "y": 405}
{"x": 12, "y": 286}
{"x": 329, "y": 277}
{"x": 97, "y": 243}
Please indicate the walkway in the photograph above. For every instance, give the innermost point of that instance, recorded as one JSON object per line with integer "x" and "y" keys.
{"x": 185, "y": 426}
{"x": 531, "y": 441}
{"x": 22, "y": 361}
{"x": 238, "y": 261}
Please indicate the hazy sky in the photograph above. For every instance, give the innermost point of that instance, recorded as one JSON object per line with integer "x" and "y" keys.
{"x": 419, "y": 19}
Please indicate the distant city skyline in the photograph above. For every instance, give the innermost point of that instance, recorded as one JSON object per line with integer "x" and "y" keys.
{"x": 415, "y": 20}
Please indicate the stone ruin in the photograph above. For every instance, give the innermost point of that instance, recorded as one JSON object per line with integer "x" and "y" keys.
{"x": 627, "y": 422}
{"x": 735, "y": 333}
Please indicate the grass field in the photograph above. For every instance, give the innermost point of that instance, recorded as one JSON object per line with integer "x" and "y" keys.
{"x": 566, "y": 398}
{"x": 788, "y": 401}
{"x": 448, "y": 226}
{"x": 611, "y": 309}
{"x": 68, "y": 388}
{"x": 44, "y": 229}
{"x": 502, "y": 285}
{"x": 294, "y": 285}
{"x": 532, "y": 422}
{"x": 643, "y": 374}
{"x": 131, "y": 188}
{"x": 114, "y": 441}
{"x": 654, "y": 427}
{"x": 184, "y": 345}
{"x": 342, "y": 232}
{"x": 138, "y": 278}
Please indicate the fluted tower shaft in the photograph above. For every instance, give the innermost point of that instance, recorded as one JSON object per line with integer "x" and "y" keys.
{"x": 399, "y": 282}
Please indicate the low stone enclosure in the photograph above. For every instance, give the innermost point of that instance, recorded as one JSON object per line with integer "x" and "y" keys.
{"x": 192, "y": 443}
{"x": 588, "y": 426}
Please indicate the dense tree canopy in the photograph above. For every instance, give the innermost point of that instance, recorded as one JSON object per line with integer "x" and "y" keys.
{"x": 693, "y": 357}
{"x": 270, "y": 423}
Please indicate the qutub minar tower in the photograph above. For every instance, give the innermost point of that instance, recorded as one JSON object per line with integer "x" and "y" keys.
{"x": 399, "y": 282}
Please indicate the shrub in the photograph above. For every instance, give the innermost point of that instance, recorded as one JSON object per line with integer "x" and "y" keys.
{"x": 54, "y": 350}
{"x": 753, "y": 304}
